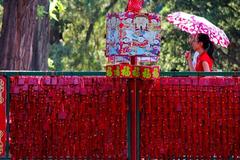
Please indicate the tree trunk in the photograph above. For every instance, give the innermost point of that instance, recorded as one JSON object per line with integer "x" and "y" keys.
{"x": 41, "y": 41}
{"x": 20, "y": 37}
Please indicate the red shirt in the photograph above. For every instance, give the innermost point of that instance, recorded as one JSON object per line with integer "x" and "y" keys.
{"x": 203, "y": 57}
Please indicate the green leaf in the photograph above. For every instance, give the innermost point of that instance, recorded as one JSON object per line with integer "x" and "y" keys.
{"x": 60, "y": 6}
{"x": 56, "y": 7}
{"x": 53, "y": 16}
{"x": 53, "y": 4}
{"x": 41, "y": 11}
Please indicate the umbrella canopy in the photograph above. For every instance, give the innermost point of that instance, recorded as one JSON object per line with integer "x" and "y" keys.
{"x": 194, "y": 24}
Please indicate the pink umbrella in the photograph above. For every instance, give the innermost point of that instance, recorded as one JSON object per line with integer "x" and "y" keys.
{"x": 195, "y": 24}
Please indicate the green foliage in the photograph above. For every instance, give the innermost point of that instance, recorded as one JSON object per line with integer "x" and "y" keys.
{"x": 41, "y": 11}
{"x": 58, "y": 55}
{"x": 83, "y": 30}
{"x": 50, "y": 64}
{"x": 56, "y": 7}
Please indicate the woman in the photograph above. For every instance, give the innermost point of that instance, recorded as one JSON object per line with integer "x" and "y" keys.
{"x": 201, "y": 44}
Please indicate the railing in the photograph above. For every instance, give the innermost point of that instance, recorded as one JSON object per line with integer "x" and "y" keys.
{"x": 159, "y": 101}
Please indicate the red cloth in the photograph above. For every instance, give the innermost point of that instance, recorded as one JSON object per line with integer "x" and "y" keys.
{"x": 201, "y": 58}
{"x": 134, "y": 5}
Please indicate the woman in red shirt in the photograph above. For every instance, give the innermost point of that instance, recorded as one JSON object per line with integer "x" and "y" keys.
{"x": 202, "y": 44}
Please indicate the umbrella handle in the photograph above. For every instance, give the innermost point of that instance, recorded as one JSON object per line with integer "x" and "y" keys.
{"x": 187, "y": 54}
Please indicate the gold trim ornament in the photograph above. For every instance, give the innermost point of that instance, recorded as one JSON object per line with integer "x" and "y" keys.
{"x": 146, "y": 73}
{"x": 117, "y": 71}
{"x": 155, "y": 73}
{"x": 109, "y": 71}
{"x": 124, "y": 70}
{"x": 136, "y": 72}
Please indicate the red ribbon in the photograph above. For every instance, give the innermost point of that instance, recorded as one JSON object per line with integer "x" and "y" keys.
{"x": 134, "y": 5}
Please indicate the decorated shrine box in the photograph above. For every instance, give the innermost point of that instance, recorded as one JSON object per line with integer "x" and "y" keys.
{"x": 133, "y": 34}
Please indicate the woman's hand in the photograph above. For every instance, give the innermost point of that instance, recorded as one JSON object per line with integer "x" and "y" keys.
{"x": 188, "y": 56}
{"x": 189, "y": 60}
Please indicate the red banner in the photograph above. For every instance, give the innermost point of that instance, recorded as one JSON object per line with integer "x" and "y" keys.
{"x": 2, "y": 116}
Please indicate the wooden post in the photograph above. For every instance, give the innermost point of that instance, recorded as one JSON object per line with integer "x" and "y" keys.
{"x": 133, "y": 110}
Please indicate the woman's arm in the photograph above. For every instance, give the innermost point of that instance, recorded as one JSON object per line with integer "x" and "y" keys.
{"x": 205, "y": 66}
{"x": 190, "y": 65}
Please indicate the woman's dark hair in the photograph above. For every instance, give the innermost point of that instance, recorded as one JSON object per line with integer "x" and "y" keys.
{"x": 207, "y": 44}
